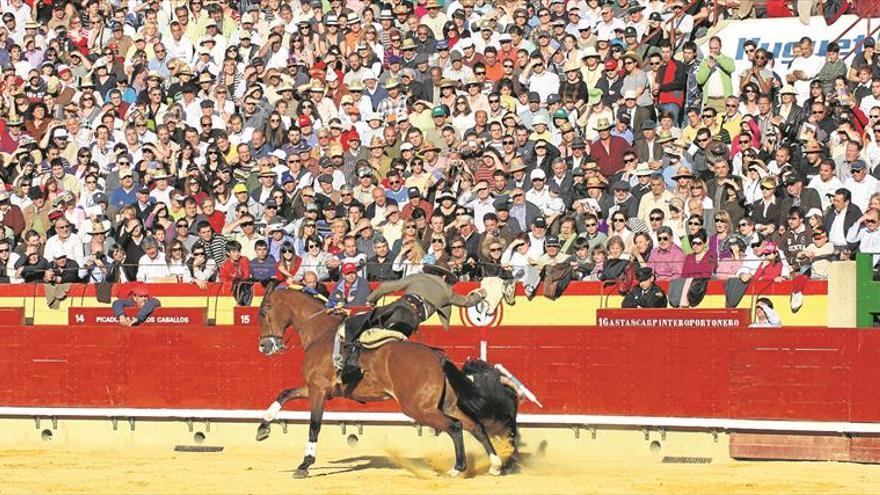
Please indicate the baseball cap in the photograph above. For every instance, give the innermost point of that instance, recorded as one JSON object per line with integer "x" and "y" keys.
{"x": 349, "y": 268}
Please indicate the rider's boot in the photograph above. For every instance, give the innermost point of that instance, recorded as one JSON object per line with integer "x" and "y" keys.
{"x": 351, "y": 371}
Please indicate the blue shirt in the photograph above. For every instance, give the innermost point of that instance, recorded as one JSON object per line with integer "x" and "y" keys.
{"x": 120, "y": 198}
{"x": 263, "y": 270}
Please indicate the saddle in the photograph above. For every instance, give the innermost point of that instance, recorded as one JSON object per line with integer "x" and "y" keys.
{"x": 374, "y": 338}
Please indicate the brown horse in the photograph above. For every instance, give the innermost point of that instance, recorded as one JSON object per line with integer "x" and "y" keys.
{"x": 429, "y": 388}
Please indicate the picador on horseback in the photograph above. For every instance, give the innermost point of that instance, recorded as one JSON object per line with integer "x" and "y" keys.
{"x": 424, "y": 294}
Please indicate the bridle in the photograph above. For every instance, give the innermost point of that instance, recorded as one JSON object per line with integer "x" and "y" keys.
{"x": 280, "y": 343}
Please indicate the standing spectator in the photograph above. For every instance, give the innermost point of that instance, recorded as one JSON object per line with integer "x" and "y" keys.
{"x": 714, "y": 76}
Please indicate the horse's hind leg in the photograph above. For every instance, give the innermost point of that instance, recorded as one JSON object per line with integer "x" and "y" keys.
{"x": 316, "y": 406}
{"x": 274, "y": 408}
{"x": 479, "y": 432}
{"x": 452, "y": 426}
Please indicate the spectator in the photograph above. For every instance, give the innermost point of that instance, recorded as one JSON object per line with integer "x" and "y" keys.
{"x": 866, "y": 234}
{"x": 646, "y": 294}
{"x": 817, "y": 256}
{"x": 351, "y": 291}
{"x": 139, "y": 298}
{"x": 839, "y": 219}
{"x": 152, "y": 266}
{"x": 667, "y": 259}
{"x": 263, "y": 264}
{"x": 765, "y": 315}
{"x": 699, "y": 266}
{"x": 176, "y": 258}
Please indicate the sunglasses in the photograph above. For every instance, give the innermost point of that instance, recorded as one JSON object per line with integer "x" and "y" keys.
{"x": 619, "y": 220}
{"x": 818, "y": 235}
{"x": 696, "y": 242}
{"x": 436, "y": 241}
{"x": 695, "y": 224}
{"x": 663, "y": 238}
{"x": 199, "y": 253}
{"x": 720, "y": 220}
{"x": 743, "y": 224}
{"x": 313, "y": 246}
{"x": 656, "y": 219}
{"x": 286, "y": 251}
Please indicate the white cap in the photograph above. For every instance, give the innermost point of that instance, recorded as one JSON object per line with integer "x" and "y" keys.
{"x": 584, "y": 24}
{"x": 466, "y": 43}
{"x": 280, "y": 154}
{"x": 537, "y": 174}
{"x": 629, "y": 95}
{"x": 540, "y": 119}
{"x": 368, "y": 74}
{"x": 407, "y": 146}
{"x": 331, "y": 76}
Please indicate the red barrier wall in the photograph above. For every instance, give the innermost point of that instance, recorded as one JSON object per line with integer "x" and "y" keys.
{"x": 785, "y": 374}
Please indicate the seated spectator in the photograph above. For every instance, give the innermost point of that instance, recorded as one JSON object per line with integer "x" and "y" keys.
{"x": 582, "y": 264}
{"x": 817, "y": 256}
{"x": 311, "y": 285}
{"x": 8, "y": 259}
{"x": 176, "y": 258}
{"x": 315, "y": 259}
{"x": 380, "y": 265}
{"x": 138, "y": 298}
{"x": 263, "y": 264}
{"x": 236, "y": 267}
{"x": 202, "y": 267}
{"x": 699, "y": 266}
{"x": 491, "y": 264}
{"x": 436, "y": 249}
{"x": 615, "y": 266}
{"x": 730, "y": 262}
{"x": 646, "y": 294}
{"x": 410, "y": 259}
{"x": 667, "y": 259}
{"x": 351, "y": 291}
{"x": 866, "y": 233}
{"x": 287, "y": 265}
{"x": 152, "y": 266}
{"x": 765, "y": 315}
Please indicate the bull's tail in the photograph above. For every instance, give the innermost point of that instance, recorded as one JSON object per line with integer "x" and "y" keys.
{"x": 484, "y": 399}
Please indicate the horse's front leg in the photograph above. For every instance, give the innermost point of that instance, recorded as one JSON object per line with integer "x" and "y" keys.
{"x": 316, "y": 407}
{"x": 274, "y": 408}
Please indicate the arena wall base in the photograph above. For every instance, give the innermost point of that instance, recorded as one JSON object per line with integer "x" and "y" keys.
{"x": 805, "y": 447}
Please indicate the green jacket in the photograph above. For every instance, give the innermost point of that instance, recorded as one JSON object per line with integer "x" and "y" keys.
{"x": 722, "y": 62}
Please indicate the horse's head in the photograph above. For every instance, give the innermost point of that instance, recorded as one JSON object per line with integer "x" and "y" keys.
{"x": 283, "y": 308}
{"x": 271, "y": 327}
{"x": 271, "y": 344}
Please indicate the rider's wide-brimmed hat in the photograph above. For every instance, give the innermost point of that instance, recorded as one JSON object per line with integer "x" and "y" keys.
{"x": 441, "y": 269}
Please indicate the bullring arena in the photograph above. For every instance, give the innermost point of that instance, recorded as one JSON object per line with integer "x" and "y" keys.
{"x": 173, "y": 407}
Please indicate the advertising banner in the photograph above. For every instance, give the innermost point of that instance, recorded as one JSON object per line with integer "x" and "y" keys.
{"x": 672, "y": 318}
{"x": 780, "y": 36}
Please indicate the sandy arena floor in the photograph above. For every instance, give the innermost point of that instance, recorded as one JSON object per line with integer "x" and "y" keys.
{"x": 151, "y": 469}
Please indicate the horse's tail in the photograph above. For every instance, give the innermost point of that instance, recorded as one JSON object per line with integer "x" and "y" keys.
{"x": 484, "y": 399}
{"x": 264, "y": 304}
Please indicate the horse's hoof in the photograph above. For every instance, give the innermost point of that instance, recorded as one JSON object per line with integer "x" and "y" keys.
{"x": 495, "y": 467}
{"x": 453, "y": 473}
{"x": 300, "y": 474}
{"x": 263, "y": 433}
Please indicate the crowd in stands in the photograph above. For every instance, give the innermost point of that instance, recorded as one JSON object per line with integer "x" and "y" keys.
{"x": 200, "y": 141}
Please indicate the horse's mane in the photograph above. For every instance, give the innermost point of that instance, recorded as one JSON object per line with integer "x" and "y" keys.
{"x": 295, "y": 298}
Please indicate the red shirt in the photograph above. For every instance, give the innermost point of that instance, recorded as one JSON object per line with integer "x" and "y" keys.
{"x": 231, "y": 270}
{"x": 610, "y": 161}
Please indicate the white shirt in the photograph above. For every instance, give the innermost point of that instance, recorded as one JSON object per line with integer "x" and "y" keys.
{"x": 810, "y": 66}
{"x": 869, "y": 241}
{"x": 837, "y": 236}
{"x": 545, "y": 84}
{"x": 861, "y": 191}
{"x": 868, "y": 103}
{"x": 825, "y": 188}
{"x": 72, "y": 247}
{"x": 150, "y": 269}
